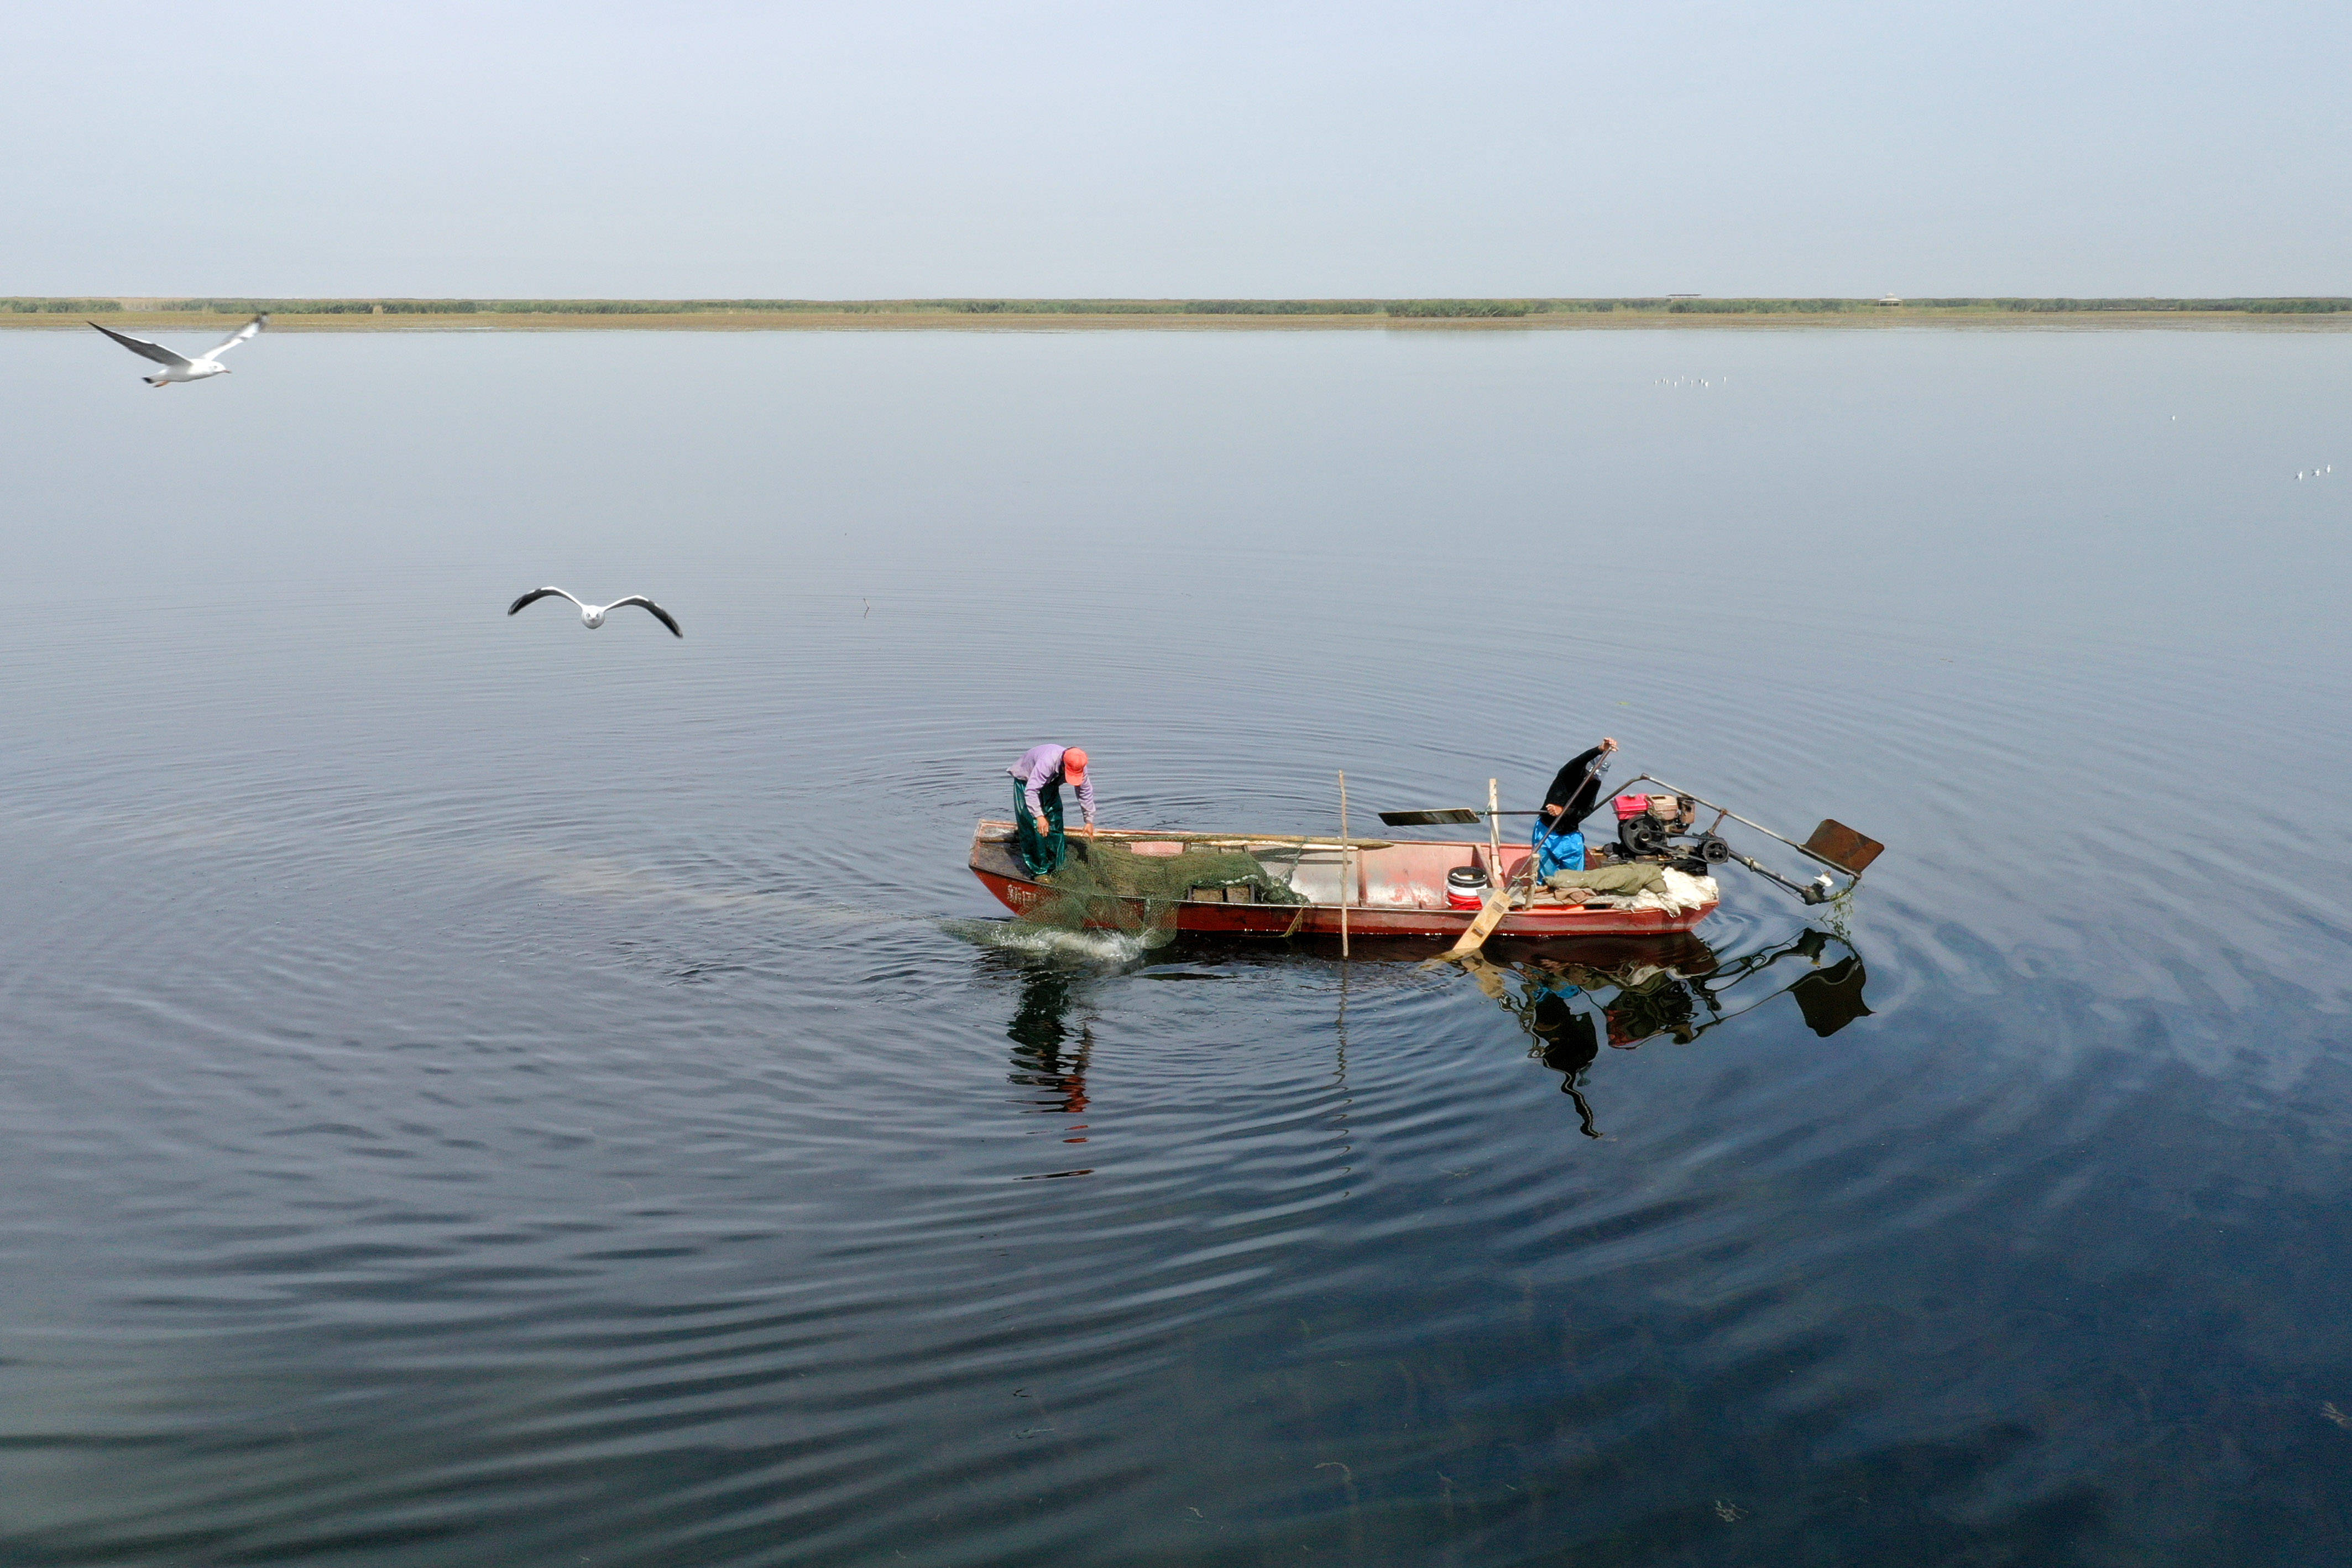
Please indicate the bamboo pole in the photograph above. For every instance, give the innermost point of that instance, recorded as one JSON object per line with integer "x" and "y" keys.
{"x": 1493, "y": 836}
{"x": 1311, "y": 840}
{"x": 1346, "y": 880}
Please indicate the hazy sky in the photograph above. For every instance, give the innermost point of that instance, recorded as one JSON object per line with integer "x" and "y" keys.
{"x": 889, "y": 149}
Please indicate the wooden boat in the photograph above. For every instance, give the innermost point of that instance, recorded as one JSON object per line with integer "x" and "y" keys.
{"x": 1391, "y": 888}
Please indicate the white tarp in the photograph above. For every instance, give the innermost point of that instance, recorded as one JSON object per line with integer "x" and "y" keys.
{"x": 1681, "y": 891}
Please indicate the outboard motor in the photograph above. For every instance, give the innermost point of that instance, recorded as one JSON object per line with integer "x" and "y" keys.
{"x": 1649, "y": 825}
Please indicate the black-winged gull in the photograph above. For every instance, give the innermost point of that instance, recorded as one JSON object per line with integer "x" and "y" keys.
{"x": 592, "y": 615}
{"x": 178, "y": 367}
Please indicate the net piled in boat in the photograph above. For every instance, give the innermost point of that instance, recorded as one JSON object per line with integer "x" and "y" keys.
{"x": 1107, "y": 883}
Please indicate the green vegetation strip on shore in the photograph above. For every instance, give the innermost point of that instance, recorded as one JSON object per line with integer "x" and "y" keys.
{"x": 1406, "y": 309}
{"x": 61, "y": 307}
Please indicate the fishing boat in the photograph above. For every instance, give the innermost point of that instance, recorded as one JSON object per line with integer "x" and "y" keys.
{"x": 1282, "y": 885}
{"x": 1379, "y": 887}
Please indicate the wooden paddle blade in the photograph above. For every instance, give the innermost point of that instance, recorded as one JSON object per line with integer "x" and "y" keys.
{"x": 1843, "y": 846}
{"x": 1498, "y": 904}
{"x": 1430, "y": 818}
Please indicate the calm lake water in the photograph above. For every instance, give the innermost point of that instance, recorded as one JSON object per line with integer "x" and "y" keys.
{"x": 479, "y": 1092}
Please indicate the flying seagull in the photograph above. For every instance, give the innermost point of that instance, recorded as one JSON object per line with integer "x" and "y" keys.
{"x": 179, "y": 367}
{"x": 592, "y": 615}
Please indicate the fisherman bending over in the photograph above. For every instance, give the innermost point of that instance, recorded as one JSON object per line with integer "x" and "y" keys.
{"x": 1038, "y": 778}
{"x": 1559, "y": 837}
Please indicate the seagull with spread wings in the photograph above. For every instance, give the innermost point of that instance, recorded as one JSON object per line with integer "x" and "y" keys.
{"x": 179, "y": 367}
{"x": 592, "y": 615}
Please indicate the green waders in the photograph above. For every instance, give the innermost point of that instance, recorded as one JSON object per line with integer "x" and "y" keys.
{"x": 1040, "y": 852}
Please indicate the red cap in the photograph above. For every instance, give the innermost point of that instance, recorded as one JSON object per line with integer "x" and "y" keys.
{"x": 1074, "y": 765}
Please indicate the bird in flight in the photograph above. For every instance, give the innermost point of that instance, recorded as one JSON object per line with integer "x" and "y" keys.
{"x": 179, "y": 367}
{"x": 592, "y": 615}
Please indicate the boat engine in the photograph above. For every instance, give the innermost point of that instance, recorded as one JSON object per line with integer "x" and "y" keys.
{"x": 1658, "y": 826}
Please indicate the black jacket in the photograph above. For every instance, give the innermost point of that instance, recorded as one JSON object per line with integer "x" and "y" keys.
{"x": 1574, "y": 791}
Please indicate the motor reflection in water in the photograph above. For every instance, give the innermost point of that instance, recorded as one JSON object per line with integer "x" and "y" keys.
{"x": 1570, "y": 1001}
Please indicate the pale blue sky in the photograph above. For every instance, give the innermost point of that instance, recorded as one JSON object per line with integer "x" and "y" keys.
{"x": 1048, "y": 148}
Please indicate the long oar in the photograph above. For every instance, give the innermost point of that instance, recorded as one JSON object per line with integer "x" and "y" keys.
{"x": 1498, "y": 902}
{"x": 1461, "y": 815}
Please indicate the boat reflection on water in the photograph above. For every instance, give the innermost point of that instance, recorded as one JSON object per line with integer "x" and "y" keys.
{"x": 1627, "y": 993}
{"x": 1046, "y": 1059}
{"x": 1570, "y": 997}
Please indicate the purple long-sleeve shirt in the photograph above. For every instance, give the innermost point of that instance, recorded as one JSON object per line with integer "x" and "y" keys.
{"x": 1042, "y": 765}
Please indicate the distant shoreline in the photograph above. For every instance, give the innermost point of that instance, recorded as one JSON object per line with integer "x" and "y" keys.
{"x": 1034, "y": 315}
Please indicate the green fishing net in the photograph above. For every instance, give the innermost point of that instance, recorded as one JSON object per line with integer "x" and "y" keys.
{"x": 1106, "y": 883}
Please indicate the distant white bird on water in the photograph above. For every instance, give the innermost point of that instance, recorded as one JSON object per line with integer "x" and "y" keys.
{"x": 592, "y": 615}
{"x": 179, "y": 367}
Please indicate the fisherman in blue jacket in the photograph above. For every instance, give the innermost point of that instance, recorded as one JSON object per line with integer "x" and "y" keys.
{"x": 1558, "y": 837}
